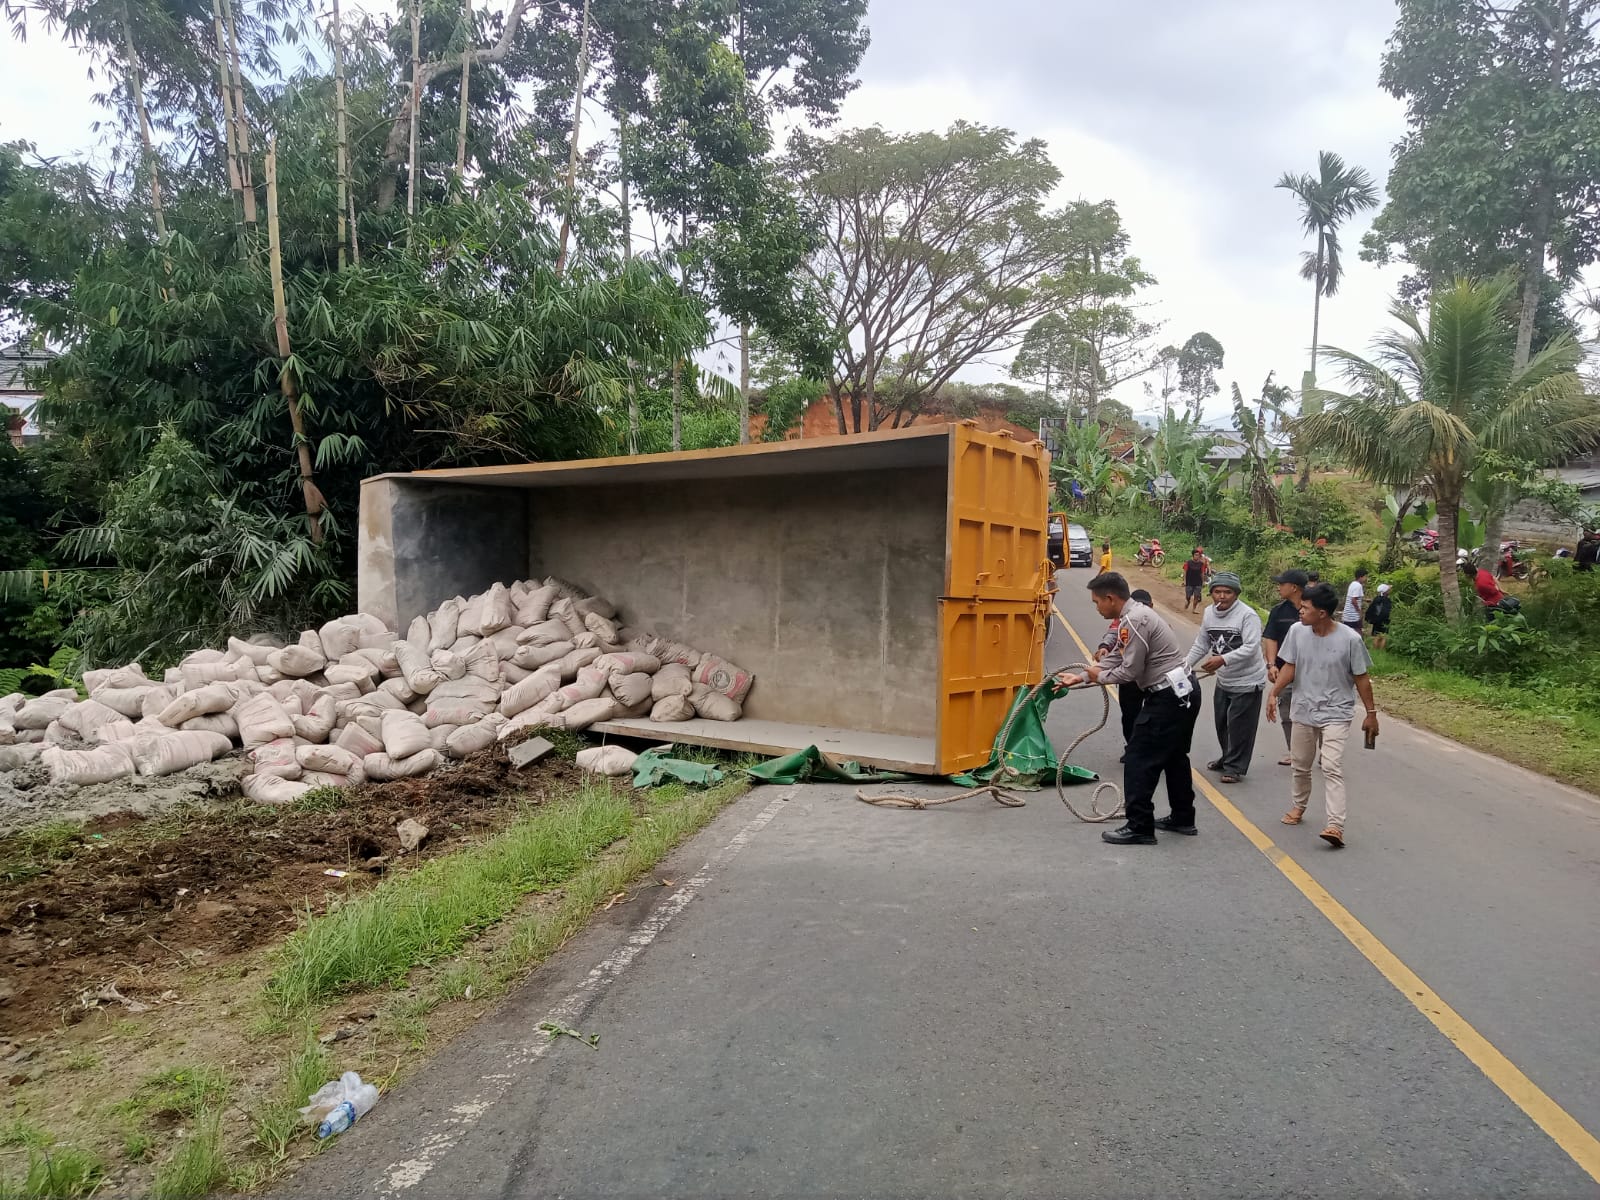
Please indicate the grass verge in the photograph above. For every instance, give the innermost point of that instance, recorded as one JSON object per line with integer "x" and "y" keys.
{"x": 1506, "y": 722}
{"x": 423, "y": 915}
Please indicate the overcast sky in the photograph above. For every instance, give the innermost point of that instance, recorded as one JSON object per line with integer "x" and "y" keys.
{"x": 1184, "y": 112}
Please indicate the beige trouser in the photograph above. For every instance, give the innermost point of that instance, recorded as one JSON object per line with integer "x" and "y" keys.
{"x": 1330, "y": 739}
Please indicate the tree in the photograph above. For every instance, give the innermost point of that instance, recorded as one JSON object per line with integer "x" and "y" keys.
{"x": 1084, "y": 456}
{"x": 1260, "y": 458}
{"x": 936, "y": 250}
{"x": 1328, "y": 199}
{"x": 1198, "y": 364}
{"x": 1049, "y": 354}
{"x": 1500, "y": 168}
{"x": 1442, "y": 394}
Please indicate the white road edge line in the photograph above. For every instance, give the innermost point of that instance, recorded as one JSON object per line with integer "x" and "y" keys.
{"x": 461, "y": 1117}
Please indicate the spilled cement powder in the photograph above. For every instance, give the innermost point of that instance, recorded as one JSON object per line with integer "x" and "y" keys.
{"x": 28, "y": 797}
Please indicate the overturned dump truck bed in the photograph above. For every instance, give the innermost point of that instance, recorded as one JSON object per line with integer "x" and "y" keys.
{"x": 887, "y": 590}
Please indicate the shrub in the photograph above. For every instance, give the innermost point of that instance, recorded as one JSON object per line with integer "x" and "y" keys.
{"x": 1321, "y": 511}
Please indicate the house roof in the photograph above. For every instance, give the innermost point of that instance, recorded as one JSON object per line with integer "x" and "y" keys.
{"x": 15, "y": 360}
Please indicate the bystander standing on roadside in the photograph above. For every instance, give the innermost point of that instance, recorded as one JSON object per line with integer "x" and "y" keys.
{"x": 1194, "y": 580}
{"x": 1229, "y": 647}
{"x": 1587, "y": 551}
{"x": 1105, "y": 557}
{"x": 1355, "y": 601}
{"x": 1379, "y": 614}
{"x": 1328, "y": 666}
{"x": 1285, "y": 615}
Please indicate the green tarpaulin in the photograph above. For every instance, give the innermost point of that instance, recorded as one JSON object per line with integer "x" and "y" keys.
{"x": 655, "y": 766}
{"x": 812, "y": 766}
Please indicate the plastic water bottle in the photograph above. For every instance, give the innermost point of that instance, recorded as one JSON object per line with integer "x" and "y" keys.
{"x": 342, "y": 1103}
{"x": 340, "y": 1119}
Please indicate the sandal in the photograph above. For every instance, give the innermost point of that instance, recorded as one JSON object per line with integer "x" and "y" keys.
{"x": 1229, "y": 779}
{"x": 1294, "y": 816}
{"x": 1334, "y": 836}
{"x": 1286, "y": 761}
{"x": 1213, "y": 764}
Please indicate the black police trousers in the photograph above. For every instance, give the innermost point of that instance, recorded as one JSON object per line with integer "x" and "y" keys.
{"x": 1160, "y": 745}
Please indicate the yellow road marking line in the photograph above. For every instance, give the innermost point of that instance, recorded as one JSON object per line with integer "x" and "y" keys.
{"x": 1579, "y": 1144}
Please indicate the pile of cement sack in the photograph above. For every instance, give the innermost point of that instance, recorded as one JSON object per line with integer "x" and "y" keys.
{"x": 349, "y": 702}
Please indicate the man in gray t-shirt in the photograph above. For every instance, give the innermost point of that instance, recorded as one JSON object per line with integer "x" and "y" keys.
{"x": 1327, "y": 665}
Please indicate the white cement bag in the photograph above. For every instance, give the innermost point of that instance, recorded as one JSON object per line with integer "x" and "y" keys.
{"x": 254, "y": 651}
{"x": 14, "y": 757}
{"x": 632, "y": 690}
{"x": 338, "y": 638}
{"x": 504, "y": 643}
{"x": 570, "y": 591}
{"x": 203, "y": 701}
{"x": 262, "y": 719}
{"x": 419, "y": 673}
{"x": 585, "y": 640}
{"x": 496, "y": 612}
{"x": 318, "y": 779}
{"x": 566, "y": 612}
{"x": 610, "y": 761}
{"x": 714, "y": 706}
{"x": 358, "y": 741}
{"x": 439, "y": 736}
{"x": 531, "y": 658}
{"x": 201, "y": 657}
{"x": 535, "y": 689}
{"x": 100, "y": 765}
{"x": 353, "y": 668}
{"x": 589, "y": 684}
{"x": 168, "y": 753}
{"x": 85, "y": 719}
{"x": 444, "y": 625}
{"x": 531, "y": 719}
{"x": 587, "y": 712}
{"x": 112, "y": 731}
{"x": 470, "y": 739}
{"x": 346, "y": 691}
{"x": 404, "y": 734}
{"x": 464, "y": 643}
{"x": 297, "y": 661}
{"x": 545, "y": 633}
{"x": 8, "y": 726}
{"x": 511, "y": 673}
{"x": 598, "y": 605}
{"x": 419, "y": 633}
{"x": 471, "y": 614}
{"x": 602, "y": 628}
{"x": 483, "y": 661}
{"x": 222, "y": 723}
{"x": 37, "y": 714}
{"x": 535, "y": 605}
{"x": 129, "y": 676}
{"x": 454, "y": 710}
{"x": 450, "y": 666}
{"x": 197, "y": 675}
{"x": 576, "y": 661}
{"x": 722, "y": 676}
{"x": 398, "y": 690}
{"x": 375, "y": 639}
{"x": 626, "y": 662}
{"x": 380, "y": 767}
{"x": 12, "y": 701}
{"x": 673, "y": 679}
{"x": 273, "y": 789}
{"x": 676, "y": 707}
{"x": 335, "y": 760}
{"x": 128, "y": 701}
{"x": 669, "y": 651}
{"x": 317, "y": 722}
{"x": 277, "y": 758}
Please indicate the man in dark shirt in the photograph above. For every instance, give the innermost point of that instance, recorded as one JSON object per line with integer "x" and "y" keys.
{"x": 1194, "y": 580}
{"x": 1587, "y": 552}
{"x": 1284, "y": 616}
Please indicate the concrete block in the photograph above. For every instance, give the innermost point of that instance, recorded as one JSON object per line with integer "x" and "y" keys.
{"x": 530, "y": 751}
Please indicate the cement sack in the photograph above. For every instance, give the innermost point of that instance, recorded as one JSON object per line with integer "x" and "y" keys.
{"x": 202, "y": 702}
{"x": 565, "y": 590}
{"x": 451, "y": 666}
{"x": 339, "y": 638}
{"x": 381, "y": 657}
{"x": 129, "y": 676}
{"x": 8, "y": 726}
{"x": 470, "y": 739}
{"x": 201, "y": 657}
{"x": 268, "y": 674}
{"x": 297, "y": 661}
{"x": 317, "y": 722}
{"x": 598, "y": 605}
{"x": 273, "y": 789}
{"x": 13, "y": 758}
{"x": 254, "y": 651}
{"x": 535, "y": 689}
{"x": 576, "y": 661}
{"x": 535, "y": 606}
{"x": 419, "y": 673}
{"x": 321, "y": 779}
{"x": 673, "y": 679}
{"x": 128, "y": 701}
{"x": 419, "y": 633}
{"x": 12, "y": 701}
{"x": 496, "y": 610}
{"x": 222, "y": 723}
{"x": 277, "y": 758}
{"x": 505, "y": 643}
{"x": 346, "y": 711}
{"x": 720, "y": 675}
{"x": 112, "y": 731}
{"x": 398, "y": 690}
{"x": 589, "y": 684}
{"x": 197, "y": 675}
{"x": 468, "y": 687}
{"x": 545, "y": 633}
{"x": 30, "y": 735}
{"x": 85, "y": 718}
{"x": 57, "y": 734}
{"x": 585, "y": 640}
{"x": 483, "y": 661}
{"x": 566, "y": 612}
{"x": 472, "y": 613}
{"x": 462, "y": 644}
{"x": 403, "y": 734}
{"x": 669, "y": 651}
{"x": 167, "y": 754}
{"x": 333, "y": 759}
{"x": 511, "y": 673}
{"x": 375, "y": 639}
{"x": 358, "y": 741}
{"x": 346, "y": 691}
{"x": 37, "y": 714}
{"x": 602, "y": 628}
{"x": 455, "y": 710}
{"x": 380, "y": 767}
{"x": 262, "y": 719}
{"x": 632, "y": 690}
{"x": 531, "y": 658}
{"x": 529, "y": 720}
{"x": 672, "y": 708}
{"x": 100, "y": 765}
{"x": 610, "y": 761}
{"x": 303, "y": 690}
{"x": 438, "y": 735}
{"x": 353, "y": 668}
{"x": 714, "y": 706}
{"x": 444, "y": 625}
{"x": 627, "y": 662}
{"x": 587, "y": 712}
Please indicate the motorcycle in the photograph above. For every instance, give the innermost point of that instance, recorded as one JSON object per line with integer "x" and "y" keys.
{"x": 1150, "y": 553}
{"x": 1513, "y": 560}
{"x": 1426, "y": 539}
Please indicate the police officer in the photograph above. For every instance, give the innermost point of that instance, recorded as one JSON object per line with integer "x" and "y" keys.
{"x": 1147, "y": 656}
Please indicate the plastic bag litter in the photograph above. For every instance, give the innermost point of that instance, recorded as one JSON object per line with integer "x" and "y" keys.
{"x": 336, "y": 1106}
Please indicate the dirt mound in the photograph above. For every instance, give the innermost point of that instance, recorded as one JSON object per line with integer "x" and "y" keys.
{"x": 28, "y": 797}
{"x": 133, "y": 897}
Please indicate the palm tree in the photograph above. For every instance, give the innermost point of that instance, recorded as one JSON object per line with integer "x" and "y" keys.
{"x": 1438, "y": 396}
{"x": 1328, "y": 199}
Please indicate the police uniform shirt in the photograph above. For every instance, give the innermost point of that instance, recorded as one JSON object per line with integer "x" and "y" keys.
{"x": 1145, "y": 652}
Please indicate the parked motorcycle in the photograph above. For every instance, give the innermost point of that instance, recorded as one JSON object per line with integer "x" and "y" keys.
{"x": 1512, "y": 561}
{"x": 1426, "y": 539}
{"x": 1150, "y": 553}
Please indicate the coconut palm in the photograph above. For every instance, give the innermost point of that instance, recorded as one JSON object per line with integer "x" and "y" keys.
{"x": 1439, "y": 395}
{"x": 1328, "y": 199}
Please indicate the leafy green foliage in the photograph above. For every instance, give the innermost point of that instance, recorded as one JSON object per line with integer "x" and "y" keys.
{"x": 1318, "y": 512}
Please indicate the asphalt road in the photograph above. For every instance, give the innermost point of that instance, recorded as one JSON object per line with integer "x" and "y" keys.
{"x": 973, "y": 1000}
